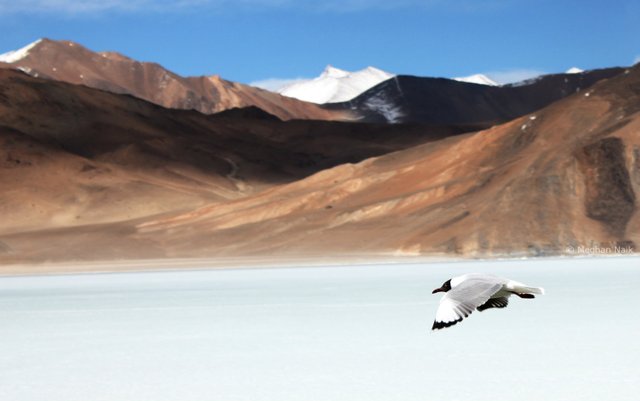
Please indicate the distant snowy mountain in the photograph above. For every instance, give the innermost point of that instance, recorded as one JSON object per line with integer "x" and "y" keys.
{"x": 478, "y": 79}
{"x": 335, "y": 85}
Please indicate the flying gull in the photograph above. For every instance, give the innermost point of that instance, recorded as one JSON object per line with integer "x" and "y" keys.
{"x": 466, "y": 293}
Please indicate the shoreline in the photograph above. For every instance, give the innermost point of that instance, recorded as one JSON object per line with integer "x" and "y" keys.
{"x": 235, "y": 263}
{"x": 197, "y": 264}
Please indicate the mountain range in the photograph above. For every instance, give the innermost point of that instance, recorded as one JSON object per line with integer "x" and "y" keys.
{"x": 99, "y": 168}
{"x": 396, "y": 99}
{"x": 111, "y": 71}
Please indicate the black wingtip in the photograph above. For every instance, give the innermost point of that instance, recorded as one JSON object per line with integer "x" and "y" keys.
{"x": 441, "y": 325}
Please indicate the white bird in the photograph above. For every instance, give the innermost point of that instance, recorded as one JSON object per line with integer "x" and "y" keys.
{"x": 469, "y": 292}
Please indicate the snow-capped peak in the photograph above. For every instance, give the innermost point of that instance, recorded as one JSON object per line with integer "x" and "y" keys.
{"x": 17, "y": 55}
{"x": 333, "y": 72}
{"x": 574, "y": 70}
{"x": 335, "y": 85}
{"x": 480, "y": 79}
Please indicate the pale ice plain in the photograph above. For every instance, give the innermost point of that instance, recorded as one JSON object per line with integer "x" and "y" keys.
{"x": 320, "y": 334}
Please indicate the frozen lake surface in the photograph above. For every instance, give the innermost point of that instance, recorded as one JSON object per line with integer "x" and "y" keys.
{"x": 320, "y": 334}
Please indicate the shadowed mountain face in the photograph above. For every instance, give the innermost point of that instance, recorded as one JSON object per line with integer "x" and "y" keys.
{"x": 72, "y": 155}
{"x": 445, "y": 101}
{"x": 70, "y": 62}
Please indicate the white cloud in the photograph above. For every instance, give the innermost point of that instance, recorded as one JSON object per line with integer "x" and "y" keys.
{"x": 274, "y": 84}
{"x": 512, "y": 76}
{"x": 636, "y": 60}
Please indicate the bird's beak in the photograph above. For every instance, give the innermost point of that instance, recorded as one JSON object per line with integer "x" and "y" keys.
{"x": 437, "y": 290}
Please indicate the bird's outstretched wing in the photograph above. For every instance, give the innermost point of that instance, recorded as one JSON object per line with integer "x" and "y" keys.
{"x": 460, "y": 301}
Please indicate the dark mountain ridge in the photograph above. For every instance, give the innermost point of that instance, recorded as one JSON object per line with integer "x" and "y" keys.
{"x": 413, "y": 99}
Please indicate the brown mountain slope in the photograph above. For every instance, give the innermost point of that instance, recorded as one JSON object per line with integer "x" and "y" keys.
{"x": 72, "y": 155}
{"x": 564, "y": 177}
{"x": 70, "y": 62}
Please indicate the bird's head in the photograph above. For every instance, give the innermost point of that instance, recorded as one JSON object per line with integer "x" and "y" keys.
{"x": 445, "y": 287}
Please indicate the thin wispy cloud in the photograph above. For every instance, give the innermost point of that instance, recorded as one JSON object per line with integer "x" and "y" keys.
{"x": 71, "y": 7}
{"x": 93, "y": 6}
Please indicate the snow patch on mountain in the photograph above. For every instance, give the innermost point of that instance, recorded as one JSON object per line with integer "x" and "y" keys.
{"x": 381, "y": 104}
{"x": 479, "y": 79}
{"x": 17, "y": 55}
{"x": 335, "y": 85}
{"x": 574, "y": 70}
{"x": 392, "y": 113}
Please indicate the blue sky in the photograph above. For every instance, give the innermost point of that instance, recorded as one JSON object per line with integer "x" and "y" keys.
{"x": 252, "y": 40}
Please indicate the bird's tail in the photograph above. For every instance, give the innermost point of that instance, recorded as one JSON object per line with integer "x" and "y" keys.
{"x": 531, "y": 290}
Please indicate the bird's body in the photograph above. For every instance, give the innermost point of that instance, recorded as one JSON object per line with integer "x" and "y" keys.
{"x": 466, "y": 293}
